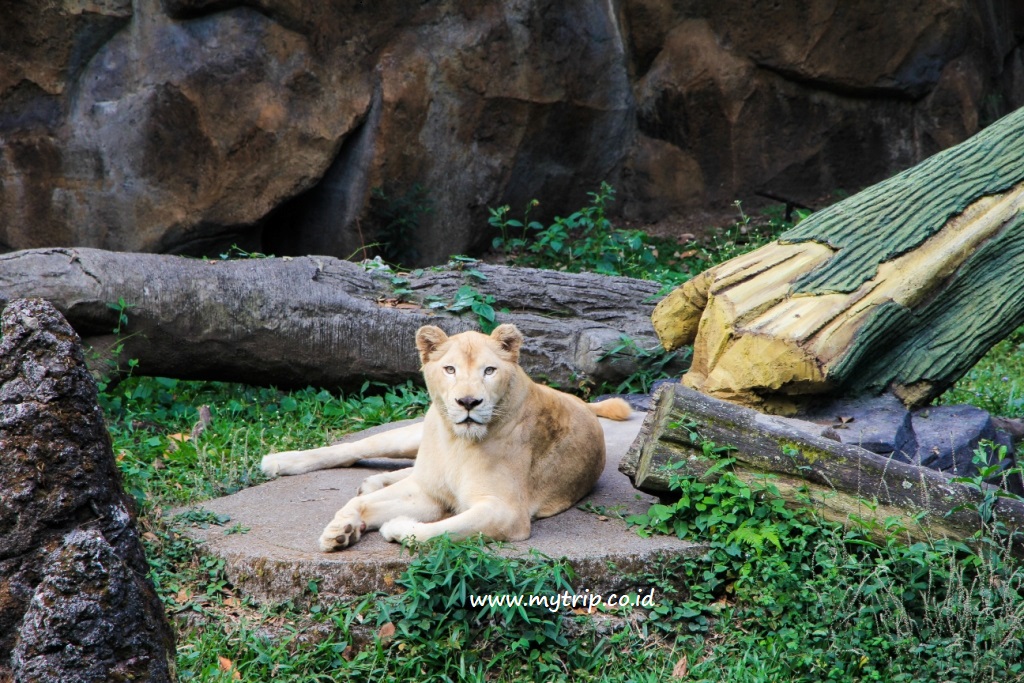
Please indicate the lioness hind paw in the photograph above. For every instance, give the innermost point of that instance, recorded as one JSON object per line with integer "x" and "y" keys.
{"x": 372, "y": 483}
{"x": 339, "y": 538}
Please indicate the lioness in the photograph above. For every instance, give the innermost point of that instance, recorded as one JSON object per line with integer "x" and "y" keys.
{"x": 494, "y": 452}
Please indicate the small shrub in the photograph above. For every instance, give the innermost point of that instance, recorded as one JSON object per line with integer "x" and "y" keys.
{"x": 784, "y": 595}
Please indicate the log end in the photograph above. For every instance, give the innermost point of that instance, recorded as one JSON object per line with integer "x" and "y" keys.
{"x": 640, "y": 463}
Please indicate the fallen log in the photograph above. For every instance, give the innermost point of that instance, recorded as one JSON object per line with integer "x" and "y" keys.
{"x": 842, "y": 481}
{"x": 322, "y": 321}
{"x": 901, "y": 287}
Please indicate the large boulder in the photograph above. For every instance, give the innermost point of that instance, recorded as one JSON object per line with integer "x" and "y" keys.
{"x": 187, "y": 125}
{"x": 75, "y": 603}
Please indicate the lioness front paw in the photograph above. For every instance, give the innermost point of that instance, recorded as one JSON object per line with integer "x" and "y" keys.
{"x": 399, "y": 529}
{"x": 281, "y": 464}
{"x": 341, "y": 533}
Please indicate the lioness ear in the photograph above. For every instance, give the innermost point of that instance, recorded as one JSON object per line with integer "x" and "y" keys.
{"x": 510, "y": 339}
{"x": 428, "y": 338}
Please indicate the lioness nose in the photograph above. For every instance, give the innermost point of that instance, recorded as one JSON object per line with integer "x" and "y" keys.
{"x": 469, "y": 402}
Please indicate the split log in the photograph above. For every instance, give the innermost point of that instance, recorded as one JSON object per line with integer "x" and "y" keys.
{"x": 322, "y": 321}
{"x": 901, "y": 287}
{"x": 842, "y": 481}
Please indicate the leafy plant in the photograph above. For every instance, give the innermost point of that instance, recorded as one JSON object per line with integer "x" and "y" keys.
{"x": 650, "y": 365}
{"x": 470, "y": 299}
{"x": 435, "y": 606}
{"x": 514, "y": 233}
{"x": 586, "y": 240}
{"x": 236, "y": 252}
{"x": 107, "y": 364}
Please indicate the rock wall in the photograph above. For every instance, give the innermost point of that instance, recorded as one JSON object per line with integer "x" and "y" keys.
{"x": 794, "y": 101}
{"x": 187, "y": 125}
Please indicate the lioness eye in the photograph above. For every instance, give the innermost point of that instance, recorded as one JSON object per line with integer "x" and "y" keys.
{"x": 489, "y": 371}
{"x": 450, "y": 369}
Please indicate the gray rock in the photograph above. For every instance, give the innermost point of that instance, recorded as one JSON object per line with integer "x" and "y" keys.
{"x": 942, "y": 438}
{"x": 90, "y": 620}
{"x": 879, "y": 424}
{"x": 58, "y": 475}
{"x": 948, "y": 437}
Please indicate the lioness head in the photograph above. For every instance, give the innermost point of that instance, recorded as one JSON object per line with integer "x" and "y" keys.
{"x": 468, "y": 374}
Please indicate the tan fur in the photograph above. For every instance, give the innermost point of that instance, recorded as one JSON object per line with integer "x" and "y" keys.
{"x": 494, "y": 452}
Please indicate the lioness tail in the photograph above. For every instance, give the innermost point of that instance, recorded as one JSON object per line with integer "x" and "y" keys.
{"x": 612, "y": 408}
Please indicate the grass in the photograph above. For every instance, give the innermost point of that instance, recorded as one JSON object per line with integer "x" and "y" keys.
{"x": 169, "y": 456}
{"x": 167, "y": 462}
{"x": 779, "y": 596}
{"x": 996, "y": 382}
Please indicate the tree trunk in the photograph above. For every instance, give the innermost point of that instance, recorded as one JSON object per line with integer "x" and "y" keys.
{"x": 903, "y": 286}
{"x": 322, "y": 321}
{"x": 841, "y": 481}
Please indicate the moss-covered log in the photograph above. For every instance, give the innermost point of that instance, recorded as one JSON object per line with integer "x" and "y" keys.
{"x": 844, "y": 482}
{"x": 903, "y": 286}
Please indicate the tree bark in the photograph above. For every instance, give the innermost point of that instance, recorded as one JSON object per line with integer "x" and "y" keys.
{"x": 322, "y": 321}
{"x": 843, "y": 482}
{"x": 902, "y": 287}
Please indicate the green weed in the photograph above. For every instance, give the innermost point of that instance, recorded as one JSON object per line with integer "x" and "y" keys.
{"x": 468, "y": 298}
{"x": 584, "y": 240}
{"x": 587, "y": 240}
{"x": 106, "y": 363}
{"x": 236, "y": 252}
{"x": 650, "y": 365}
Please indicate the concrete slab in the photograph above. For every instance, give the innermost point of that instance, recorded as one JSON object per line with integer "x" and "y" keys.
{"x": 278, "y": 556}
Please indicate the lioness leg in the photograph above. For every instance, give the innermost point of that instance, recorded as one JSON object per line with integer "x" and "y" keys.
{"x": 370, "y": 511}
{"x": 492, "y": 517}
{"x": 403, "y": 442}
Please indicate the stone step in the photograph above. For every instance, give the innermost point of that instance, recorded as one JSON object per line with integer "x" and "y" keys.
{"x": 277, "y": 557}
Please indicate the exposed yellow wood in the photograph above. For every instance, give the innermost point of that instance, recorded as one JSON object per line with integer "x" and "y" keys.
{"x": 757, "y": 343}
{"x": 677, "y": 316}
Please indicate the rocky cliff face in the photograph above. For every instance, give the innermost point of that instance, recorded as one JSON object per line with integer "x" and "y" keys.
{"x": 186, "y": 125}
